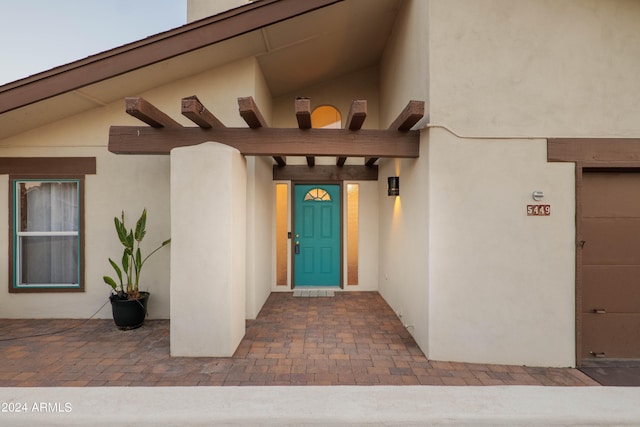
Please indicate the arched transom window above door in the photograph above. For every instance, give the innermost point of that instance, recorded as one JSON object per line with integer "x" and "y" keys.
{"x": 318, "y": 195}
{"x": 326, "y": 117}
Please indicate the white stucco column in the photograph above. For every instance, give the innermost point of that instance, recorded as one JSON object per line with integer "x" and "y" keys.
{"x": 208, "y": 238}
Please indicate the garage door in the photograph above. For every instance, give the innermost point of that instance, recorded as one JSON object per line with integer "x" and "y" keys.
{"x": 610, "y": 229}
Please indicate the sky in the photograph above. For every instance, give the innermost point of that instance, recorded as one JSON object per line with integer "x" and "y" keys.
{"x": 37, "y": 35}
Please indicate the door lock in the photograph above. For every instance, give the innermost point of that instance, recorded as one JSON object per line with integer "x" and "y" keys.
{"x": 296, "y": 247}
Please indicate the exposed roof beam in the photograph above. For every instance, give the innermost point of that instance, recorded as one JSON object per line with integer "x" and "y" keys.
{"x": 355, "y": 119}
{"x": 193, "y": 109}
{"x": 303, "y": 112}
{"x": 269, "y": 141}
{"x": 357, "y": 114}
{"x": 143, "y": 110}
{"x": 411, "y": 114}
{"x": 326, "y": 173}
{"x": 251, "y": 114}
{"x": 151, "y": 50}
{"x": 303, "y": 116}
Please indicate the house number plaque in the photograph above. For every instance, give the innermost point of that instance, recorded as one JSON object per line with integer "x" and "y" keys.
{"x": 538, "y": 210}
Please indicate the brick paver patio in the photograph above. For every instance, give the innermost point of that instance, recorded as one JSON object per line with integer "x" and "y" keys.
{"x": 353, "y": 338}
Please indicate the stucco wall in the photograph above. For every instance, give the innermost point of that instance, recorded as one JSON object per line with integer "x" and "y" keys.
{"x": 498, "y": 77}
{"x": 122, "y": 182}
{"x": 501, "y": 282}
{"x": 403, "y": 224}
{"x": 535, "y": 67}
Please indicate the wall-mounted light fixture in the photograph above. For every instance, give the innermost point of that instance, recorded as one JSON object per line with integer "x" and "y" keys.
{"x": 394, "y": 185}
{"x": 537, "y": 195}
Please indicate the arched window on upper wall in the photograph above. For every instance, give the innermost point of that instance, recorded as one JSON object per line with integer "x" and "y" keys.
{"x": 326, "y": 117}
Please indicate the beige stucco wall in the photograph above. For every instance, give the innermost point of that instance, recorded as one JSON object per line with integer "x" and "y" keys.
{"x": 403, "y": 221}
{"x": 501, "y": 285}
{"x": 535, "y": 67}
{"x": 122, "y": 182}
{"x": 208, "y": 262}
{"x": 501, "y": 282}
{"x": 498, "y": 287}
{"x": 260, "y": 219}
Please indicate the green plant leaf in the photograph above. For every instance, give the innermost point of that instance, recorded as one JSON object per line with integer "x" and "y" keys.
{"x": 117, "y": 269}
{"x": 130, "y": 240}
{"x": 121, "y": 229}
{"x": 138, "y": 261}
{"x": 109, "y": 281}
{"x": 125, "y": 259}
{"x": 141, "y": 226}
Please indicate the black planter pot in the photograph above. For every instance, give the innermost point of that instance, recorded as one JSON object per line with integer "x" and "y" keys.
{"x": 129, "y": 314}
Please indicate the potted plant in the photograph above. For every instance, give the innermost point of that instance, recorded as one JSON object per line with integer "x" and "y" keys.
{"x": 128, "y": 304}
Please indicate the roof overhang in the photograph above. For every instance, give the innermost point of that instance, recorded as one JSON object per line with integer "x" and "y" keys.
{"x": 297, "y": 44}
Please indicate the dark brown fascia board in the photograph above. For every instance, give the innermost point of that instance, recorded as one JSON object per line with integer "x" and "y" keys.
{"x": 47, "y": 165}
{"x": 151, "y": 50}
{"x": 594, "y": 151}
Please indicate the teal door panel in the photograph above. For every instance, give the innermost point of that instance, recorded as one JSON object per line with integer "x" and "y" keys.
{"x": 317, "y": 235}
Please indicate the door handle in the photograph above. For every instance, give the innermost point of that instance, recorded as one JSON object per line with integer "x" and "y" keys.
{"x": 296, "y": 247}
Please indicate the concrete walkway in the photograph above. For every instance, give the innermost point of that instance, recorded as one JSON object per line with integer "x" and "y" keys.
{"x": 321, "y": 406}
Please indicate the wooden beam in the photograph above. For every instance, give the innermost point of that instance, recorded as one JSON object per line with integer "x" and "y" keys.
{"x": 143, "y": 110}
{"x": 57, "y": 166}
{"x": 303, "y": 116}
{"x": 193, "y": 109}
{"x": 269, "y": 141}
{"x": 250, "y": 113}
{"x": 355, "y": 119}
{"x": 303, "y": 112}
{"x": 357, "y": 114}
{"x": 594, "y": 151}
{"x": 326, "y": 173}
{"x": 411, "y": 114}
{"x": 370, "y": 161}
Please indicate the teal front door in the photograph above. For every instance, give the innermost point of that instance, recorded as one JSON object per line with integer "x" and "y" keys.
{"x": 316, "y": 237}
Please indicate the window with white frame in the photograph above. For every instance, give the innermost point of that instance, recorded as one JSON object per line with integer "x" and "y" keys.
{"x": 46, "y": 234}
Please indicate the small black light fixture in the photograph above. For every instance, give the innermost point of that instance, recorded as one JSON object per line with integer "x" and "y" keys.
{"x": 394, "y": 185}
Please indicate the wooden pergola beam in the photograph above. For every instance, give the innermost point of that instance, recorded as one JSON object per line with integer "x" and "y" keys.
{"x": 355, "y": 119}
{"x": 143, "y": 110}
{"x": 269, "y": 141}
{"x": 326, "y": 173}
{"x": 357, "y": 114}
{"x": 303, "y": 116}
{"x": 411, "y": 114}
{"x": 193, "y": 109}
{"x": 251, "y": 115}
{"x": 303, "y": 112}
